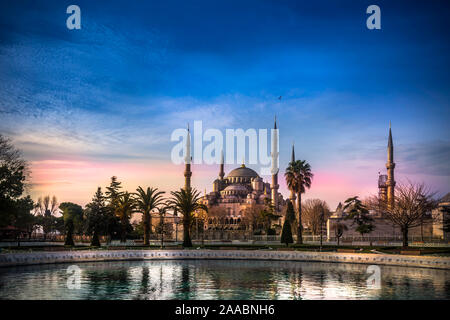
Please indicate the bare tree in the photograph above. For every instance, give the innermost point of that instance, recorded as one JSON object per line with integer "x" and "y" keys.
{"x": 46, "y": 208}
{"x": 314, "y": 213}
{"x": 252, "y": 216}
{"x": 412, "y": 205}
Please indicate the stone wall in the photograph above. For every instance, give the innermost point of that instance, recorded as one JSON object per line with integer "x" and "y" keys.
{"x": 383, "y": 228}
{"x": 33, "y": 258}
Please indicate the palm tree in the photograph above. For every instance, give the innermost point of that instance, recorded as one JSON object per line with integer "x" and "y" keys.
{"x": 186, "y": 202}
{"x": 125, "y": 207}
{"x": 146, "y": 201}
{"x": 298, "y": 177}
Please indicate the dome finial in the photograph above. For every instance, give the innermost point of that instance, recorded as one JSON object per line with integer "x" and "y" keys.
{"x": 243, "y": 162}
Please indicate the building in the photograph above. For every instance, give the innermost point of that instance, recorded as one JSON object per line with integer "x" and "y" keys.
{"x": 233, "y": 194}
{"x": 441, "y": 219}
{"x": 384, "y": 227}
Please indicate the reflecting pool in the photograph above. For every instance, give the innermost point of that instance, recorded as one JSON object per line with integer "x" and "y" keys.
{"x": 220, "y": 279}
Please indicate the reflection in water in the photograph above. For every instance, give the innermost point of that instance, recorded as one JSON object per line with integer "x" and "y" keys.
{"x": 222, "y": 279}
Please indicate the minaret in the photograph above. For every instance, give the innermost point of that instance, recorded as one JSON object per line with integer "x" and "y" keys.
{"x": 187, "y": 161}
{"x": 274, "y": 170}
{"x": 221, "y": 172}
{"x": 292, "y": 197}
{"x": 390, "y": 165}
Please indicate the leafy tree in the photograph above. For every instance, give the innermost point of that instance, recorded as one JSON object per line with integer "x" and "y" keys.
{"x": 360, "y": 215}
{"x": 267, "y": 215}
{"x": 96, "y": 217}
{"x": 138, "y": 229}
{"x": 73, "y": 216}
{"x": 146, "y": 201}
{"x": 286, "y": 233}
{"x": 290, "y": 212}
{"x": 23, "y": 220}
{"x": 186, "y": 202}
{"x": 446, "y": 224}
{"x": 13, "y": 176}
{"x": 299, "y": 178}
{"x": 112, "y": 196}
{"x": 126, "y": 206}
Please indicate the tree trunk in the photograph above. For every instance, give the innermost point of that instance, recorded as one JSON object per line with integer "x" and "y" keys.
{"x": 69, "y": 238}
{"x": 421, "y": 231}
{"x": 338, "y": 238}
{"x": 299, "y": 226}
{"x": 186, "y": 234}
{"x": 95, "y": 241}
{"x": 405, "y": 236}
{"x": 146, "y": 228}
{"x": 123, "y": 235}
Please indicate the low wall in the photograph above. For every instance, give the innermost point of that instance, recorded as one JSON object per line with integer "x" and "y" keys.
{"x": 33, "y": 258}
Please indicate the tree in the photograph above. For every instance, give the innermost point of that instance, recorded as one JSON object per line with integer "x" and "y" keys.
{"x": 216, "y": 217}
{"x": 299, "y": 178}
{"x": 290, "y": 212}
{"x": 200, "y": 218}
{"x": 23, "y": 219}
{"x": 412, "y": 204}
{"x": 126, "y": 206}
{"x": 314, "y": 213}
{"x": 46, "y": 209}
{"x": 162, "y": 227}
{"x": 186, "y": 202}
{"x": 96, "y": 217}
{"x": 112, "y": 196}
{"x": 146, "y": 201}
{"x": 446, "y": 222}
{"x": 73, "y": 216}
{"x": 252, "y": 217}
{"x": 267, "y": 215}
{"x": 286, "y": 233}
{"x": 360, "y": 215}
{"x": 339, "y": 229}
{"x": 14, "y": 171}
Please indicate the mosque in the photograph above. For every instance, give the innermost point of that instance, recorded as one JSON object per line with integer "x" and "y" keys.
{"x": 240, "y": 189}
{"x": 432, "y": 226}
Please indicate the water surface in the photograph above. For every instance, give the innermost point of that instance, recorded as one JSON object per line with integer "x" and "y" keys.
{"x": 221, "y": 279}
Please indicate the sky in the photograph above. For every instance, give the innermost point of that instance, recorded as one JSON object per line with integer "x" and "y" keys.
{"x": 84, "y": 105}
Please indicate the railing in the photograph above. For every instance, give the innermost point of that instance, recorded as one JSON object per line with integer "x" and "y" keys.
{"x": 241, "y": 237}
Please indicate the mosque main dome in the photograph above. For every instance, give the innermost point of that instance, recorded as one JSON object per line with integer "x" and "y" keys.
{"x": 243, "y": 172}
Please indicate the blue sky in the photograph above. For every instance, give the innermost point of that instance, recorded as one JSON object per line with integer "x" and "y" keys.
{"x": 112, "y": 92}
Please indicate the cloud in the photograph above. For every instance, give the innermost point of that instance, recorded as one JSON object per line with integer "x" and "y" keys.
{"x": 431, "y": 158}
